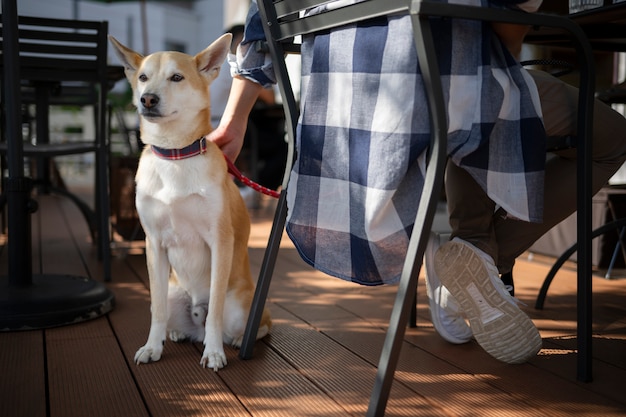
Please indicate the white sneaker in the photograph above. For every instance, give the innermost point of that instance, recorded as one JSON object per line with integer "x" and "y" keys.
{"x": 445, "y": 312}
{"x": 498, "y": 324}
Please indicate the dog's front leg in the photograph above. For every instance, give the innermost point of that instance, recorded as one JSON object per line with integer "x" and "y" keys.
{"x": 221, "y": 262}
{"x": 158, "y": 271}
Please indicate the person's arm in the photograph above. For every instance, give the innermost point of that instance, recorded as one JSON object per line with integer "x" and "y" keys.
{"x": 230, "y": 133}
{"x": 267, "y": 96}
{"x": 252, "y": 70}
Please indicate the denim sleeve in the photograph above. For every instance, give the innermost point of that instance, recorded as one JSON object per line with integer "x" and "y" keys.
{"x": 249, "y": 62}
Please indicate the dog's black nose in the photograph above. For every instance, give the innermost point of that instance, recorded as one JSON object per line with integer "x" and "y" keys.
{"x": 149, "y": 100}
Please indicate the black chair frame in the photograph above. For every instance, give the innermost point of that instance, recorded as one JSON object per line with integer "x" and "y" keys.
{"x": 64, "y": 62}
{"x": 282, "y": 22}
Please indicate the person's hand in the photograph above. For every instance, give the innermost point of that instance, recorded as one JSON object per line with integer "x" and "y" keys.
{"x": 229, "y": 138}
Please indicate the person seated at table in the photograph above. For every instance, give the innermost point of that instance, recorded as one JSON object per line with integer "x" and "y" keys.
{"x": 362, "y": 136}
{"x": 487, "y": 228}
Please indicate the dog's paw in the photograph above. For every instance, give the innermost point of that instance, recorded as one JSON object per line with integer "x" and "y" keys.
{"x": 147, "y": 354}
{"x": 213, "y": 360}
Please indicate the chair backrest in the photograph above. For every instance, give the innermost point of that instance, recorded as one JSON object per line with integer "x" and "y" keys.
{"x": 290, "y": 22}
{"x": 64, "y": 93}
{"x": 62, "y": 50}
{"x": 70, "y": 57}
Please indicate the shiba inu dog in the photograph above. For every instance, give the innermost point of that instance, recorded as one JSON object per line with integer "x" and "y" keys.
{"x": 196, "y": 223}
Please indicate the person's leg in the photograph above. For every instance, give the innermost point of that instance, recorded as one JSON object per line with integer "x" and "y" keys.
{"x": 467, "y": 267}
{"x": 559, "y": 102}
{"x": 501, "y": 328}
{"x": 470, "y": 210}
{"x": 473, "y": 219}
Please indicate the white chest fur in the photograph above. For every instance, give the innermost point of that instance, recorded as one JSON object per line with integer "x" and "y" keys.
{"x": 179, "y": 203}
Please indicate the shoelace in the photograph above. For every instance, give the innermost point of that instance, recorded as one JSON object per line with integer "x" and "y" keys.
{"x": 493, "y": 271}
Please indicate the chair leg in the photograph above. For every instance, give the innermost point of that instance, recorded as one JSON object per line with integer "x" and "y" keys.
{"x": 543, "y": 292}
{"x": 427, "y": 208}
{"x": 103, "y": 202}
{"x": 103, "y": 211}
{"x": 405, "y": 298}
{"x": 265, "y": 277}
{"x": 413, "y": 317}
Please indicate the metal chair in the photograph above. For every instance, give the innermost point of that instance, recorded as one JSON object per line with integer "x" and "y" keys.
{"x": 64, "y": 62}
{"x": 615, "y": 94}
{"x": 283, "y": 21}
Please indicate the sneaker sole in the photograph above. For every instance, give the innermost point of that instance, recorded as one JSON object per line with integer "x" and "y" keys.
{"x": 500, "y": 327}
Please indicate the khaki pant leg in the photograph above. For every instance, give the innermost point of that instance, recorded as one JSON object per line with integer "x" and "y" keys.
{"x": 559, "y": 105}
{"x": 472, "y": 217}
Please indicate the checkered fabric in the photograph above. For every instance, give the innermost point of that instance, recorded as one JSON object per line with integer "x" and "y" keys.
{"x": 364, "y": 130}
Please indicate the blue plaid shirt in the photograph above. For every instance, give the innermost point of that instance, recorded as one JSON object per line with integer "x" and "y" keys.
{"x": 364, "y": 129}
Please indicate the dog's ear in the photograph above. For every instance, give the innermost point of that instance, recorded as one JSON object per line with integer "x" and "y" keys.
{"x": 211, "y": 59}
{"x": 130, "y": 59}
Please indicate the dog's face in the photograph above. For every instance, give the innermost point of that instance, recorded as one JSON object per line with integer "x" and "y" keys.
{"x": 171, "y": 89}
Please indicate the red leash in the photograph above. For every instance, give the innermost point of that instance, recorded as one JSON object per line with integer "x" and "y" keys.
{"x": 247, "y": 181}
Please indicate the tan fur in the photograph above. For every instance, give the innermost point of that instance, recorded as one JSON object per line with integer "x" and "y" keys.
{"x": 196, "y": 223}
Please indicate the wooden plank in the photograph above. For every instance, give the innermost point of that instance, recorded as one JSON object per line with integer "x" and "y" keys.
{"x": 23, "y": 380}
{"x": 328, "y": 314}
{"x": 86, "y": 372}
{"x": 267, "y": 385}
{"x": 532, "y": 385}
{"x": 176, "y": 384}
{"x": 320, "y": 357}
{"x": 346, "y": 378}
{"x": 551, "y": 371}
{"x": 557, "y": 323}
{"x": 88, "y": 375}
{"x": 59, "y": 248}
{"x": 599, "y": 397}
{"x": 419, "y": 370}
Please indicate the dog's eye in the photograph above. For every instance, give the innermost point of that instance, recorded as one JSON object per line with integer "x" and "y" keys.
{"x": 143, "y": 78}
{"x": 176, "y": 78}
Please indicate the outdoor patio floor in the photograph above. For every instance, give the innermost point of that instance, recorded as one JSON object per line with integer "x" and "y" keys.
{"x": 321, "y": 355}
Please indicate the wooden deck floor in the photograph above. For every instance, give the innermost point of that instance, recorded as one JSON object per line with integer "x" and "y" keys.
{"x": 320, "y": 358}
